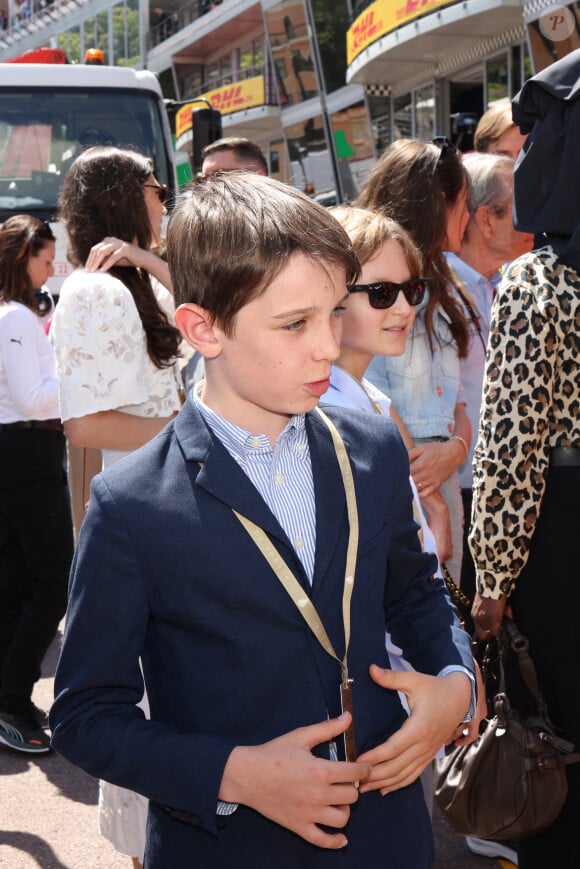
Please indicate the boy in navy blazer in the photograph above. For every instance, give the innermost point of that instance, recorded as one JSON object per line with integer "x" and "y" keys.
{"x": 244, "y": 759}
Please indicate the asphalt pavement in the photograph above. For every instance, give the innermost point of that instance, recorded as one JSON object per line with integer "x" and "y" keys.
{"x": 48, "y": 812}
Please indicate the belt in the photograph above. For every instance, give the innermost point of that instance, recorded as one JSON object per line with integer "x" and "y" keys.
{"x": 51, "y": 424}
{"x": 565, "y": 457}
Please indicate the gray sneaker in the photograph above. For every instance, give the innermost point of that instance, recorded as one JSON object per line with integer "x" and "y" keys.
{"x": 20, "y": 732}
{"x": 492, "y": 848}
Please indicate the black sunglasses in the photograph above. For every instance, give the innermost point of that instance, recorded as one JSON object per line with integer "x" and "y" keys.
{"x": 383, "y": 294}
{"x": 445, "y": 146}
{"x": 162, "y": 191}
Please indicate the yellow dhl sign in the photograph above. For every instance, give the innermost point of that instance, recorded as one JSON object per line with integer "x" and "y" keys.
{"x": 382, "y": 17}
{"x": 230, "y": 98}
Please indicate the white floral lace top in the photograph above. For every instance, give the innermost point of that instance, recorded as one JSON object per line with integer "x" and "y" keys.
{"x": 101, "y": 351}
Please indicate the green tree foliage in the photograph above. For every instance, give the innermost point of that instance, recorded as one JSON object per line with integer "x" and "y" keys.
{"x": 125, "y": 36}
{"x": 332, "y": 21}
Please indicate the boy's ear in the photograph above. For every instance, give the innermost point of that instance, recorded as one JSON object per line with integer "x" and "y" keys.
{"x": 196, "y": 326}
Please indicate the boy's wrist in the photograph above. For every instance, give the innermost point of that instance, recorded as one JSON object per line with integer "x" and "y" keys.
{"x": 237, "y": 774}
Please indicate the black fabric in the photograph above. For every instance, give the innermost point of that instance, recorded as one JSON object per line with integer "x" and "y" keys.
{"x": 468, "y": 583}
{"x": 36, "y": 547}
{"x": 547, "y": 171}
{"x": 546, "y": 607}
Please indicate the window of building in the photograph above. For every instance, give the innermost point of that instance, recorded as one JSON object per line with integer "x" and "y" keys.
{"x": 497, "y": 78}
{"x": 292, "y": 52}
{"x": 354, "y": 147}
{"x": 310, "y": 159}
{"x": 424, "y": 113}
{"x": 251, "y": 59}
{"x": 402, "y": 116}
{"x": 190, "y": 81}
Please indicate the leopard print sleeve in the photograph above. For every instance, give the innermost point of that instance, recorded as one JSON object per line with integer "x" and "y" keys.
{"x": 529, "y": 404}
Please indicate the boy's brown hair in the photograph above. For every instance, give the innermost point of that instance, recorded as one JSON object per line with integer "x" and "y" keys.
{"x": 368, "y": 231}
{"x": 231, "y": 234}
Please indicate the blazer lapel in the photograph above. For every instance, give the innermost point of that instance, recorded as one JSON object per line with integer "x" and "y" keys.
{"x": 329, "y": 495}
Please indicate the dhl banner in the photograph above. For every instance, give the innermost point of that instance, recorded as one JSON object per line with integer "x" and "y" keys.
{"x": 382, "y": 17}
{"x": 230, "y": 98}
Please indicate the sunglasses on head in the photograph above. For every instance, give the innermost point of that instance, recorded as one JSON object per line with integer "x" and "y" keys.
{"x": 445, "y": 147}
{"x": 162, "y": 191}
{"x": 383, "y": 294}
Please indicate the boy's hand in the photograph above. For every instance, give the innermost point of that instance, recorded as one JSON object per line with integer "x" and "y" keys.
{"x": 437, "y": 707}
{"x": 286, "y": 783}
{"x": 467, "y": 733}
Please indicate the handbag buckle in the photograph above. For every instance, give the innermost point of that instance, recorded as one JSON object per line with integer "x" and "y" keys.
{"x": 548, "y": 763}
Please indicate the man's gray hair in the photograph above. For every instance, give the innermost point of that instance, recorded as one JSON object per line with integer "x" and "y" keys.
{"x": 489, "y": 176}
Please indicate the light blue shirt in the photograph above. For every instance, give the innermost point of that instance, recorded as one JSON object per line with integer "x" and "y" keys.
{"x": 472, "y": 366}
{"x": 282, "y": 475}
{"x": 424, "y": 387}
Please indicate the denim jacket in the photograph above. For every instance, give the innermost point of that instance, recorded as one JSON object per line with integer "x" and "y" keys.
{"x": 424, "y": 387}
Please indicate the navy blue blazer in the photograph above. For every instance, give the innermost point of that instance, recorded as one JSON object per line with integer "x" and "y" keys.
{"x": 165, "y": 573}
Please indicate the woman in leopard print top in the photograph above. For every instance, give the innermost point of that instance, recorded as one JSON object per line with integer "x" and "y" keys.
{"x": 526, "y": 505}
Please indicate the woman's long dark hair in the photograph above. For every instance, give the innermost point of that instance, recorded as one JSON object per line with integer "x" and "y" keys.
{"x": 103, "y": 195}
{"x": 21, "y": 237}
{"x": 414, "y": 183}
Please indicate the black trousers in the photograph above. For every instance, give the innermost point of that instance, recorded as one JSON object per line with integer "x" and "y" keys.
{"x": 546, "y": 606}
{"x": 467, "y": 565}
{"x": 36, "y": 547}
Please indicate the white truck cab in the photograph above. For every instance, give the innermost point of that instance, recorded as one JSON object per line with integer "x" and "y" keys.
{"x": 50, "y": 112}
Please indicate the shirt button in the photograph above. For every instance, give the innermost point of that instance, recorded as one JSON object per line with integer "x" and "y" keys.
{"x": 439, "y": 391}
{"x": 299, "y": 543}
{"x": 279, "y": 478}
{"x": 255, "y": 442}
{"x": 300, "y": 448}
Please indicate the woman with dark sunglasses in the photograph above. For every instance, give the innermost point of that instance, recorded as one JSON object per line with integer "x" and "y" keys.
{"x": 378, "y": 319}
{"x": 116, "y": 348}
{"x": 424, "y": 187}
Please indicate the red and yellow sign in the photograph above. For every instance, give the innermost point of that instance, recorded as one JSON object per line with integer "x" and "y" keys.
{"x": 382, "y": 17}
{"x": 230, "y": 98}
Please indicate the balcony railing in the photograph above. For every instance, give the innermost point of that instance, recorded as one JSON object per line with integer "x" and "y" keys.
{"x": 270, "y": 90}
{"x": 171, "y": 23}
{"x": 41, "y": 15}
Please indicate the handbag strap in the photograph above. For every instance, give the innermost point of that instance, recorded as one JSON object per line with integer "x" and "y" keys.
{"x": 520, "y": 645}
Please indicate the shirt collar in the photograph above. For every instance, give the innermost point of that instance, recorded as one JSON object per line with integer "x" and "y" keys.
{"x": 240, "y": 442}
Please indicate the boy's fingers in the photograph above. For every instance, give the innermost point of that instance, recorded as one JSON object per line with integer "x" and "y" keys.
{"x": 330, "y": 841}
{"x": 394, "y": 680}
{"x": 325, "y": 731}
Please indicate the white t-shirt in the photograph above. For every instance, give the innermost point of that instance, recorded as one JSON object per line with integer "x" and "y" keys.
{"x": 28, "y": 382}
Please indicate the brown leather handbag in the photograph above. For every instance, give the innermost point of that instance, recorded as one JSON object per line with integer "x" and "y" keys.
{"x": 511, "y": 782}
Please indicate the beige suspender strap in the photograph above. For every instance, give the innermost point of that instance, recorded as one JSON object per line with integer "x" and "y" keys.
{"x": 287, "y": 578}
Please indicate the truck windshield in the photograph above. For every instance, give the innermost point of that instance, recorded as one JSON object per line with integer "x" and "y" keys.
{"x": 42, "y": 130}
